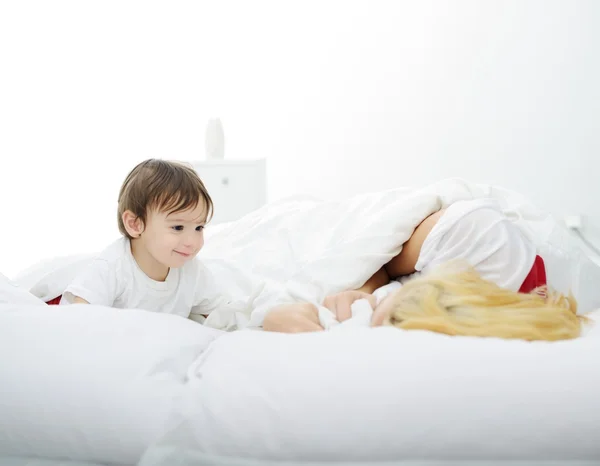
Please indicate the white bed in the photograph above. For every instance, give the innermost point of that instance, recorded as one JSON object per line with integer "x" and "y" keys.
{"x": 108, "y": 386}
{"x": 94, "y": 384}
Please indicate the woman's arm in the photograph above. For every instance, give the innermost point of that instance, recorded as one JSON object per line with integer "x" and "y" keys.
{"x": 379, "y": 279}
{"x": 404, "y": 263}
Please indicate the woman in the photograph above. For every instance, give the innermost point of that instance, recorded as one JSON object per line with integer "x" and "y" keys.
{"x": 475, "y": 231}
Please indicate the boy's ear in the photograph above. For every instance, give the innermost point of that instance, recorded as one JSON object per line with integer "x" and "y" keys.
{"x": 133, "y": 224}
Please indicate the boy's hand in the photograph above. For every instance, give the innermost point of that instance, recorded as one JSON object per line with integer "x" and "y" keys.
{"x": 340, "y": 303}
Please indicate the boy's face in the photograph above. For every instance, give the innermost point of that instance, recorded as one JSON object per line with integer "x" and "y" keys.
{"x": 174, "y": 238}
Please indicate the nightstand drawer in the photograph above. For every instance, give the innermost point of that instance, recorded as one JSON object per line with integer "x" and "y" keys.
{"x": 236, "y": 187}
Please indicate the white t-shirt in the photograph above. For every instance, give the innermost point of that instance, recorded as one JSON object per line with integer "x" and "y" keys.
{"x": 114, "y": 279}
{"x": 477, "y": 232}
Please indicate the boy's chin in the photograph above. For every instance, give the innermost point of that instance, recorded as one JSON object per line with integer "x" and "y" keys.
{"x": 175, "y": 263}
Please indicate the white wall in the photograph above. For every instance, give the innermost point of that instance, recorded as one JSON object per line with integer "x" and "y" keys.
{"x": 341, "y": 97}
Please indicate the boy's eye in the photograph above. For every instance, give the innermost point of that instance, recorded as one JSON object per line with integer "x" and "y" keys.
{"x": 178, "y": 228}
{"x": 200, "y": 228}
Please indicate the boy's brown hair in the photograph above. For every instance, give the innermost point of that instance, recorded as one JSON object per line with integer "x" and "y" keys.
{"x": 162, "y": 185}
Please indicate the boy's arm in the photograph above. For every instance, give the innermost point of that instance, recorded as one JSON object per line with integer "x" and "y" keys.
{"x": 208, "y": 295}
{"x": 214, "y": 301}
{"x": 96, "y": 284}
{"x": 78, "y": 300}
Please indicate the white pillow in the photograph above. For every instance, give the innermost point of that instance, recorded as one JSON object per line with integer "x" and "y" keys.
{"x": 11, "y": 293}
{"x": 568, "y": 267}
{"x": 387, "y": 394}
{"x": 48, "y": 279}
{"x": 89, "y": 382}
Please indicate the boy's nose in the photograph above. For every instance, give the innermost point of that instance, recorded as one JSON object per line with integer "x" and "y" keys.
{"x": 189, "y": 242}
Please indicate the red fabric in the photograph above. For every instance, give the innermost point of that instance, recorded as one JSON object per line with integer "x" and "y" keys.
{"x": 536, "y": 277}
{"x": 54, "y": 301}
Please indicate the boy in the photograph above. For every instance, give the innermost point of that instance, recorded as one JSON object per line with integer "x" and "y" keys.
{"x": 162, "y": 210}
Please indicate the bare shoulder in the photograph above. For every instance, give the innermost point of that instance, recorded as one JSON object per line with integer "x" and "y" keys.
{"x": 404, "y": 263}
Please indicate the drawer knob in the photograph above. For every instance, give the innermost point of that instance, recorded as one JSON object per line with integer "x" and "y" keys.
{"x": 225, "y": 181}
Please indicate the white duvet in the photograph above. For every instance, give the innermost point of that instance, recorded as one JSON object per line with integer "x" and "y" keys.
{"x": 90, "y": 383}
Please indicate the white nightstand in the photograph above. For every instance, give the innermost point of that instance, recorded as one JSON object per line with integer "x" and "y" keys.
{"x": 236, "y": 187}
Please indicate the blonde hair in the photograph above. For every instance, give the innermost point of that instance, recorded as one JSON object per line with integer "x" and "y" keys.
{"x": 163, "y": 185}
{"x": 459, "y": 302}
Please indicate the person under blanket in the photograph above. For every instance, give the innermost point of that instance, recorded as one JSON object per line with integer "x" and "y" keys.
{"x": 475, "y": 231}
{"x": 163, "y": 207}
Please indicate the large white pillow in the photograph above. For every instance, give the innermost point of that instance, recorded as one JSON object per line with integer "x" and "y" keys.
{"x": 570, "y": 269}
{"x": 387, "y": 394}
{"x": 12, "y": 293}
{"x": 48, "y": 278}
{"x": 91, "y": 383}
